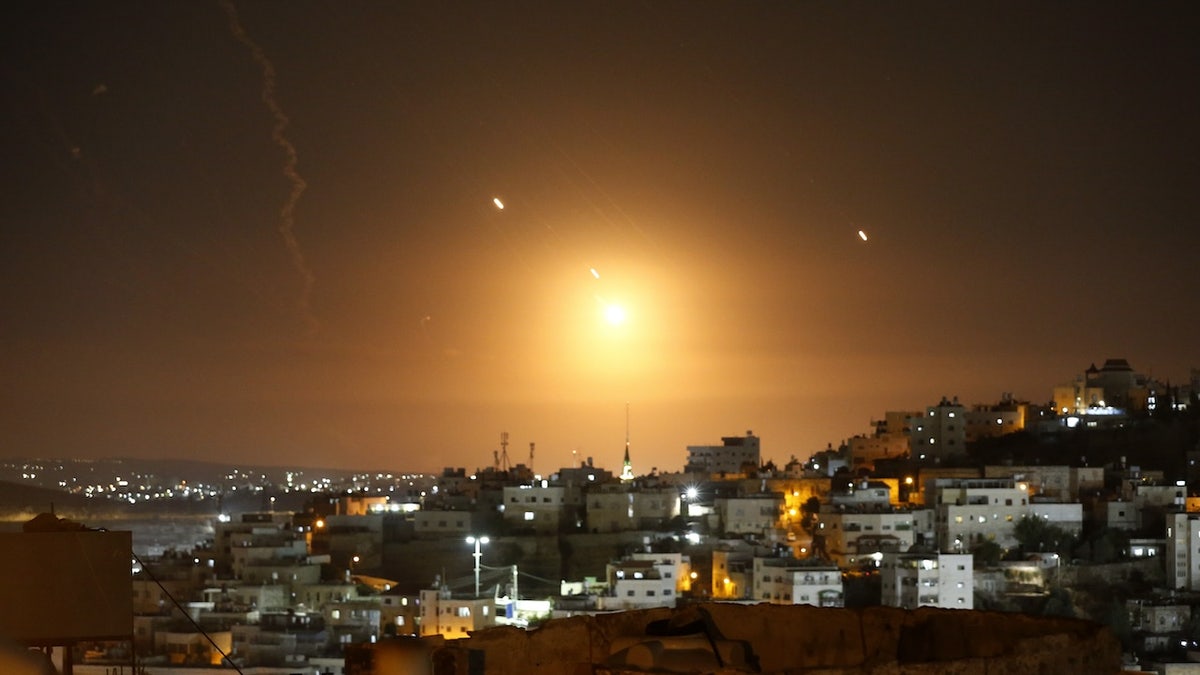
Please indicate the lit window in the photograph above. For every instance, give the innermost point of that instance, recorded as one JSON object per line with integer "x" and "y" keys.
{"x": 529, "y": 515}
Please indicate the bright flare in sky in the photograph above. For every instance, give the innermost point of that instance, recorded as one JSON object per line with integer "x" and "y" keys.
{"x": 499, "y": 204}
{"x": 614, "y": 314}
{"x": 862, "y": 235}
{"x": 595, "y": 273}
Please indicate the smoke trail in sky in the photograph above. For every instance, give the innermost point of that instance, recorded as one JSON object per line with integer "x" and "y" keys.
{"x": 287, "y": 214}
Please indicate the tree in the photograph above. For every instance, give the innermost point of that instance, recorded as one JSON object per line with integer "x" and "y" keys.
{"x": 987, "y": 554}
{"x": 1035, "y": 535}
{"x": 809, "y": 510}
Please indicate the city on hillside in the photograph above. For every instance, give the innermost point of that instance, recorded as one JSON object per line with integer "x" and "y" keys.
{"x": 1082, "y": 506}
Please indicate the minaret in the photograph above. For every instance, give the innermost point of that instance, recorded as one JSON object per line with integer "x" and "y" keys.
{"x": 627, "y": 469}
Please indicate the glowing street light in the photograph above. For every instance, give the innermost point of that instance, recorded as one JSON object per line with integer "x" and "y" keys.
{"x": 478, "y": 554}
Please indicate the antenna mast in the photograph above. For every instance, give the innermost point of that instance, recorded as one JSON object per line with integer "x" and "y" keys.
{"x": 503, "y": 464}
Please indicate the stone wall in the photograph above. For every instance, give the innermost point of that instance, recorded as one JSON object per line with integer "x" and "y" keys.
{"x": 728, "y": 638}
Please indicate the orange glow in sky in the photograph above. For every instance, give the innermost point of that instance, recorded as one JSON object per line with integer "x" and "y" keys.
{"x": 677, "y": 193}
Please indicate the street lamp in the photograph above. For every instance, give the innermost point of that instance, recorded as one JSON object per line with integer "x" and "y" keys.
{"x": 477, "y": 541}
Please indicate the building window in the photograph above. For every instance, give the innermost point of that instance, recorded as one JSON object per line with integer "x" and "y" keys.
{"x": 529, "y": 515}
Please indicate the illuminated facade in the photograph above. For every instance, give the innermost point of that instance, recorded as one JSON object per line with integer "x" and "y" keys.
{"x": 975, "y": 510}
{"x": 912, "y": 580}
{"x": 639, "y": 584}
{"x": 453, "y": 618}
{"x": 853, "y": 538}
{"x": 788, "y": 581}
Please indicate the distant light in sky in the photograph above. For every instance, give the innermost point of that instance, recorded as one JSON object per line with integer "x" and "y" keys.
{"x": 862, "y": 235}
{"x": 595, "y": 273}
{"x": 499, "y": 204}
{"x": 614, "y": 314}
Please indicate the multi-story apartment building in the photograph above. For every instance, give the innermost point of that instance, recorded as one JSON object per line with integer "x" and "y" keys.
{"x": 353, "y": 621}
{"x": 399, "y": 613}
{"x": 864, "y": 451}
{"x": 316, "y": 596}
{"x": 1068, "y": 516}
{"x": 1077, "y": 397}
{"x": 853, "y": 537}
{"x": 1183, "y": 551}
{"x": 733, "y": 456}
{"x": 272, "y": 527}
{"x": 453, "y": 618}
{"x": 356, "y": 539}
{"x": 940, "y": 432}
{"x": 620, "y": 507}
{"x": 281, "y": 639}
{"x": 235, "y": 596}
{"x": 434, "y": 524}
{"x": 733, "y": 569}
{"x": 639, "y": 584}
{"x": 1059, "y": 483}
{"x": 912, "y": 580}
{"x": 535, "y": 507}
{"x": 788, "y": 581}
{"x": 975, "y": 510}
{"x": 997, "y": 419}
{"x": 751, "y": 514}
{"x": 675, "y": 566}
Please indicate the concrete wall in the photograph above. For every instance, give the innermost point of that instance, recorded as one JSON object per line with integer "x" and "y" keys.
{"x": 787, "y": 639}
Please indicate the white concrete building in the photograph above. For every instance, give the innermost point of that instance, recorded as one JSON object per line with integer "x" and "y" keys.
{"x": 1067, "y": 516}
{"x": 912, "y": 580}
{"x": 788, "y": 581}
{"x": 539, "y": 508}
{"x": 639, "y": 584}
{"x": 454, "y": 618}
{"x": 851, "y": 537}
{"x": 1183, "y": 551}
{"x": 734, "y": 453}
{"x": 974, "y": 510}
{"x": 672, "y": 566}
{"x": 752, "y": 514}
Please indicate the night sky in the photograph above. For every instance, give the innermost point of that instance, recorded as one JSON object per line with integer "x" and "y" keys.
{"x": 265, "y": 232}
